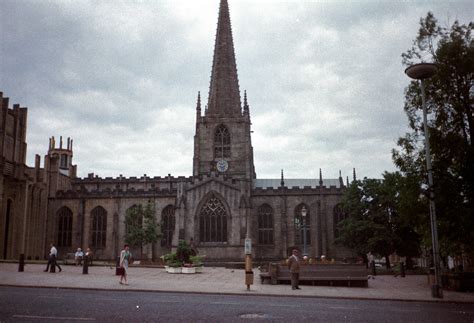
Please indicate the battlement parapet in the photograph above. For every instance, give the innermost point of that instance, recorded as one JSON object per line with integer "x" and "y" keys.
{"x": 115, "y": 193}
{"x": 296, "y": 190}
{"x": 93, "y": 178}
{"x": 200, "y": 179}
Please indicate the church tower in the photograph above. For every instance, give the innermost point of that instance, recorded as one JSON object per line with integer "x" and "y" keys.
{"x": 222, "y": 142}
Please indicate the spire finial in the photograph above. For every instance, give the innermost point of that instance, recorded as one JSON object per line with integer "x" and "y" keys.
{"x": 282, "y": 182}
{"x": 198, "y": 105}
{"x": 354, "y": 174}
{"x": 347, "y": 181}
{"x": 246, "y": 105}
{"x": 320, "y": 177}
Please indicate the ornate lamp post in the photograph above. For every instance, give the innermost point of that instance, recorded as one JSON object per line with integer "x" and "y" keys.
{"x": 421, "y": 72}
{"x": 304, "y": 212}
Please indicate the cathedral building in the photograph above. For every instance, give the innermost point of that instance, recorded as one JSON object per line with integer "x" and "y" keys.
{"x": 219, "y": 206}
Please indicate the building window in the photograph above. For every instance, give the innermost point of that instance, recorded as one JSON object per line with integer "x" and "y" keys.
{"x": 64, "y": 216}
{"x": 300, "y": 225}
{"x": 63, "y": 162}
{"x": 265, "y": 224}
{"x": 99, "y": 228}
{"x": 339, "y": 215}
{"x": 167, "y": 226}
{"x": 213, "y": 221}
{"x": 222, "y": 142}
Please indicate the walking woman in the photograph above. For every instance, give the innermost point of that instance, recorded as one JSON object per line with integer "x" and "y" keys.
{"x": 125, "y": 257}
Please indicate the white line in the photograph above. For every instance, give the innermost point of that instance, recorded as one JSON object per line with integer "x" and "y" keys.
{"x": 343, "y": 308}
{"x": 280, "y": 305}
{"x": 224, "y": 303}
{"x": 404, "y": 311}
{"x": 54, "y": 318}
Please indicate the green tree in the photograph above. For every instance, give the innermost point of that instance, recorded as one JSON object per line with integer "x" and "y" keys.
{"x": 449, "y": 96}
{"x": 379, "y": 219}
{"x": 141, "y": 226}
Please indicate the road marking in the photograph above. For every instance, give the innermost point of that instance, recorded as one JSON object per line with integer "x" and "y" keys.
{"x": 281, "y": 305}
{"x": 225, "y": 303}
{"x": 405, "y": 311}
{"x": 54, "y": 318}
{"x": 352, "y": 308}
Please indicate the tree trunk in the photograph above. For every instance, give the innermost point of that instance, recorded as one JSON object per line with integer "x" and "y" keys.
{"x": 387, "y": 261}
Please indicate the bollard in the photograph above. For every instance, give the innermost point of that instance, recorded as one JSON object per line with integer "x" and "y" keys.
{"x": 402, "y": 269}
{"x": 372, "y": 266}
{"x": 21, "y": 263}
{"x": 85, "y": 266}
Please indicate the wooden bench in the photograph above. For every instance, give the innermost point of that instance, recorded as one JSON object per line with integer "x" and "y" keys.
{"x": 352, "y": 275}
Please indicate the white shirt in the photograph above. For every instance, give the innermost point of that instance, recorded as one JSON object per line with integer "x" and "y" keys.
{"x": 53, "y": 251}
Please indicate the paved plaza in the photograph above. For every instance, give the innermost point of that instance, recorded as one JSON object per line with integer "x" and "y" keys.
{"x": 217, "y": 281}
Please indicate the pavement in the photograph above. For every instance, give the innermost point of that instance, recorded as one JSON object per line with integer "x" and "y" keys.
{"x": 217, "y": 280}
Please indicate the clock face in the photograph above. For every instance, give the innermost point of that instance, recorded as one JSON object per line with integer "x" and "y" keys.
{"x": 222, "y": 165}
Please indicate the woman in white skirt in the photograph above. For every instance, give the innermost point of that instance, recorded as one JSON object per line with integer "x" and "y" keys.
{"x": 125, "y": 257}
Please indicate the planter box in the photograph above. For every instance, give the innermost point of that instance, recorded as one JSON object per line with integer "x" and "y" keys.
{"x": 188, "y": 270}
{"x": 199, "y": 269}
{"x": 174, "y": 270}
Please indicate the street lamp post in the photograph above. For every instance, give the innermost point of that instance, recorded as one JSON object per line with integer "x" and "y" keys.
{"x": 421, "y": 72}
{"x": 304, "y": 212}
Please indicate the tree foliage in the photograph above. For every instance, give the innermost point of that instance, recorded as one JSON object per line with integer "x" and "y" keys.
{"x": 141, "y": 225}
{"x": 380, "y": 217}
{"x": 449, "y": 96}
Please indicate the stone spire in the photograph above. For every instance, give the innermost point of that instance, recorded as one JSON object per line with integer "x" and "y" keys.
{"x": 282, "y": 181}
{"x": 224, "y": 95}
{"x": 354, "y": 174}
{"x": 320, "y": 177}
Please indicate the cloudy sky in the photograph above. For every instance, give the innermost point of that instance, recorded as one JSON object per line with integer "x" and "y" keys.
{"x": 324, "y": 79}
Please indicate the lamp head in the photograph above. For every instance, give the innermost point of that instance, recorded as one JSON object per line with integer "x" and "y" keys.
{"x": 421, "y": 71}
{"x": 304, "y": 211}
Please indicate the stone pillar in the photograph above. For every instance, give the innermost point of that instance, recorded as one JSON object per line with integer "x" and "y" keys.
{"x": 324, "y": 228}
{"x": 284, "y": 225}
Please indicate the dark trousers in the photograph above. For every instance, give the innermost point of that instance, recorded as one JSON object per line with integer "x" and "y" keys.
{"x": 52, "y": 262}
{"x": 295, "y": 279}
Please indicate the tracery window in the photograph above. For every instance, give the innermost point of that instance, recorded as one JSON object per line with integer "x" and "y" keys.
{"x": 300, "y": 225}
{"x": 98, "y": 227}
{"x": 338, "y": 216}
{"x": 222, "y": 142}
{"x": 168, "y": 223}
{"x": 265, "y": 224}
{"x": 213, "y": 221}
{"x": 64, "y": 218}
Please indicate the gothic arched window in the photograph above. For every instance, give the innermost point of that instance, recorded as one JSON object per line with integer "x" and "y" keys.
{"x": 338, "y": 216}
{"x": 213, "y": 221}
{"x": 98, "y": 227}
{"x": 265, "y": 224}
{"x": 222, "y": 142}
{"x": 64, "y": 216}
{"x": 300, "y": 225}
{"x": 168, "y": 222}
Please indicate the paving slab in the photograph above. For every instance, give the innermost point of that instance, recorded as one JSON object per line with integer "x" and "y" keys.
{"x": 217, "y": 280}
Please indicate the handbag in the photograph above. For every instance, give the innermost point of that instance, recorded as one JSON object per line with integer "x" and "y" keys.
{"x": 119, "y": 271}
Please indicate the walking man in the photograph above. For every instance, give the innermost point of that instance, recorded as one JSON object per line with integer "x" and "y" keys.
{"x": 53, "y": 253}
{"x": 294, "y": 266}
